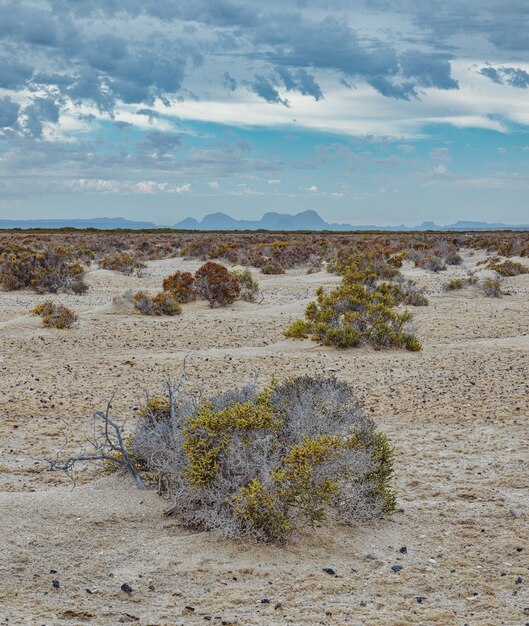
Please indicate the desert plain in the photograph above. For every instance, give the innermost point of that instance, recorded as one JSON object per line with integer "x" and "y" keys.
{"x": 456, "y": 414}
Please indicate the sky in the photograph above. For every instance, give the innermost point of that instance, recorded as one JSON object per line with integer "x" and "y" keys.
{"x": 369, "y": 112}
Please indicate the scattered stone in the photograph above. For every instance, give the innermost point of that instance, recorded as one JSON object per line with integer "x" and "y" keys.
{"x": 265, "y": 601}
{"x": 396, "y": 568}
{"x": 89, "y": 591}
{"x": 190, "y": 609}
{"x": 371, "y": 556}
{"x": 55, "y": 583}
{"x": 517, "y": 513}
{"x": 53, "y": 571}
{"x": 278, "y": 606}
{"x": 126, "y": 588}
{"x": 404, "y": 550}
{"x": 330, "y": 571}
{"x": 519, "y": 580}
{"x": 420, "y": 599}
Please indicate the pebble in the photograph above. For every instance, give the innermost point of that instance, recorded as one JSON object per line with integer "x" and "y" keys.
{"x": 55, "y": 583}
{"x": 396, "y": 568}
{"x": 330, "y": 571}
{"x": 126, "y": 588}
{"x": 420, "y": 599}
{"x": 404, "y": 550}
{"x": 519, "y": 580}
{"x": 265, "y": 601}
{"x": 517, "y": 513}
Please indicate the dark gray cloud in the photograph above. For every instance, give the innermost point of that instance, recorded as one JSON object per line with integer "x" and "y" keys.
{"x": 8, "y": 112}
{"x": 513, "y": 76}
{"x": 265, "y": 89}
{"x": 41, "y": 110}
{"x": 301, "y": 81}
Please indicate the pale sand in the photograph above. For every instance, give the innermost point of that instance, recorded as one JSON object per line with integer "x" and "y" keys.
{"x": 457, "y": 414}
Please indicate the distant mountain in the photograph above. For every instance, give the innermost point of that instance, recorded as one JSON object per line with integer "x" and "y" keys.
{"x": 100, "y": 223}
{"x": 310, "y": 220}
{"x": 307, "y": 220}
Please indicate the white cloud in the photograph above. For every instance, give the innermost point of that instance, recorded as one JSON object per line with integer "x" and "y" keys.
{"x": 274, "y": 181}
{"x": 313, "y": 189}
{"x": 213, "y": 184}
{"x": 186, "y": 188}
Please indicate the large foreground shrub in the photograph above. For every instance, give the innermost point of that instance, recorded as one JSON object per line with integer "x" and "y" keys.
{"x": 264, "y": 464}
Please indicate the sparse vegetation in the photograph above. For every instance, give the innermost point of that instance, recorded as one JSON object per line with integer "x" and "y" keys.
{"x": 46, "y": 271}
{"x": 55, "y": 315}
{"x": 509, "y": 268}
{"x": 123, "y": 262}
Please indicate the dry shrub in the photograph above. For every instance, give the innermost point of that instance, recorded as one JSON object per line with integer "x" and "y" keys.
{"x": 453, "y": 258}
{"x": 272, "y": 267}
{"x": 163, "y": 303}
{"x": 181, "y": 285}
{"x": 248, "y": 285}
{"x": 55, "y": 315}
{"x": 435, "y": 264}
{"x": 122, "y": 262}
{"x": 46, "y": 271}
{"x": 214, "y": 283}
{"x": 509, "y": 268}
{"x": 491, "y": 288}
{"x": 265, "y": 464}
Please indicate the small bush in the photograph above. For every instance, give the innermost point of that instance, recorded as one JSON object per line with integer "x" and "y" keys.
{"x": 272, "y": 267}
{"x": 454, "y": 284}
{"x": 509, "y": 268}
{"x": 453, "y": 258}
{"x": 435, "y": 264}
{"x": 491, "y": 288}
{"x": 122, "y": 262}
{"x": 215, "y": 283}
{"x": 163, "y": 303}
{"x": 265, "y": 464}
{"x": 248, "y": 285}
{"x": 55, "y": 315}
{"x": 181, "y": 285}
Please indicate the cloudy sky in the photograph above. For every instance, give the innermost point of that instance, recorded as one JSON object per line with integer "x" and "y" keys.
{"x": 379, "y": 111}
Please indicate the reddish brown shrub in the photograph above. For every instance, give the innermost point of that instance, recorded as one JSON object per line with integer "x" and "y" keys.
{"x": 215, "y": 283}
{"x": 181, "y": 285}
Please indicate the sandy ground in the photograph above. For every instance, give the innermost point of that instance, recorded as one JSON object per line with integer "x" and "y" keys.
{"x": 457, "y": 414}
